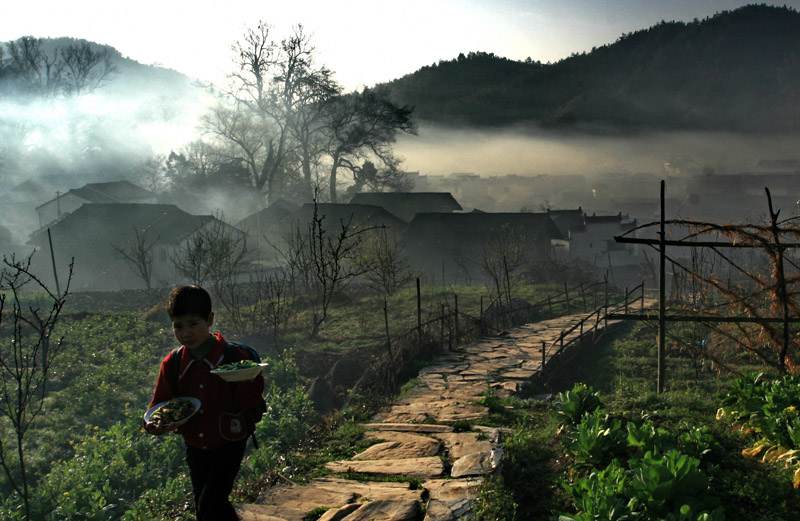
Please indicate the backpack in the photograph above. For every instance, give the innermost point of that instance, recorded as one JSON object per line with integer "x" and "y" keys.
{"x": 230, "y": 354}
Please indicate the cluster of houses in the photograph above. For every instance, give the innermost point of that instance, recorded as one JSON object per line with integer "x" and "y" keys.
{"x": 92, "y": 223}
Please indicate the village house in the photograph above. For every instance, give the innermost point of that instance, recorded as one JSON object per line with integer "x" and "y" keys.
{"x": 92, "y": 233}
{"x": 258, "y": 224}
{"x": 92, "y": 193}
{"x": 592, "y": 246}
{"x": 450, "y": 246}
{"x": 406, "y": 205}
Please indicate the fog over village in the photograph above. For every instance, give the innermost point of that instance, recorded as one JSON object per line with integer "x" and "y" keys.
{"x": 137, "y": 122}
{"x": 491, "y": 287}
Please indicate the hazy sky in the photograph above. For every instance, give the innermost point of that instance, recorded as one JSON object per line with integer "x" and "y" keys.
{"x": 363, "y": 41}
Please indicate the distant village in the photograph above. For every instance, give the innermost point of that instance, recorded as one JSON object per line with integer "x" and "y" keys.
{"x": 442, "y": 225}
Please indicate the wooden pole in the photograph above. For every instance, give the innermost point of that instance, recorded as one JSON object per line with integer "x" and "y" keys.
{"x": 456, "y": 320}
{"x": 419, "y": 316}
{"x": 389, "y": 344}
{"x": 566, "y": 297}
{"x": 53, "y": 260}
{"x": 661, "y": 296}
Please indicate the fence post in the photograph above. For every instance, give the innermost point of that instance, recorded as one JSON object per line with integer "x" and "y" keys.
{"x": 389, "y": 345}
{"x": 626, "y": 300}
{"x": 456, "y": 320}
{"x": 549, "y": 304}
{"x": 605, "y": 312}
{"x": 581, "y": 337}
{"x": 419, "y": 318}
{"x": 642, "y": 297}
{"x": 561, "y": 349}
{"x": 544, "y": 352}
{"x": 583, "y": 296}
{"x": 441, "y": 329}
{"x": 566, "y": 297}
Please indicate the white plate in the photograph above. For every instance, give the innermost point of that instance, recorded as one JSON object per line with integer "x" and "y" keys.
{"x": 159, "y": 405}
{"x": 239, "y": 375}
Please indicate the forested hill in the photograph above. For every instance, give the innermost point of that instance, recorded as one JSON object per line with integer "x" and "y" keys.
{"x": 736, "y": 71}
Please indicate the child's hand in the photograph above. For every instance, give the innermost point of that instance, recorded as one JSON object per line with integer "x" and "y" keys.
{"x": 158, "y": 428}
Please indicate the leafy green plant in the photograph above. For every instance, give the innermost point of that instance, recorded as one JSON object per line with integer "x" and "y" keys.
{"x": 602, "y": 494}
{"x": 644, "y": 436}
{"x": 573, "y": 404}
{"x": 664, "y": 483}
{"x": 595, "y": 441}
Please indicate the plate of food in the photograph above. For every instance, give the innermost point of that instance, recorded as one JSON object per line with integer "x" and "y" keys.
{"x": 239, "y": 371}
{"x": 174, "y": 412}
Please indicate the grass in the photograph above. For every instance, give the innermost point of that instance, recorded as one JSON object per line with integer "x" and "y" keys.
{"x": 623, "y": 370}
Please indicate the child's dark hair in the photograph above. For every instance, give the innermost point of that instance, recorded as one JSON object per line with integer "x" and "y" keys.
{"x": 189, "y": 300}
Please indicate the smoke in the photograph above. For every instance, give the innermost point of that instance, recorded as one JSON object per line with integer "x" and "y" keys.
{"x": 441, "y": 151}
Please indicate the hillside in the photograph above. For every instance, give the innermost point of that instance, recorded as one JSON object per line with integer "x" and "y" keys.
{"x": 736, "y": 71}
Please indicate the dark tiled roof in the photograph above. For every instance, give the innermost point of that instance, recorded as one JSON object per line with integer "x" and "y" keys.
{"x": 356, "y": 214}
{"x": 474, "y": 228}
{"x": 113, "y": 192}
{"x": 406, "y": 204}
{"x": 267, "y": 217}
{"x": 102, "y": 222}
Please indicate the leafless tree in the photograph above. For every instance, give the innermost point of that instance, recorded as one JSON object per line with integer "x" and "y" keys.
{"x": 85, "y": 69}
{"x": 364, "y": 126}
{"x": 502, "y": 258}
{"x": 34, "y": 68}
{"x": 215, "y": 253}
{"x": 137, "y": 253}
{"x": 27, "y": 353}
{"x": 383, "y": 263}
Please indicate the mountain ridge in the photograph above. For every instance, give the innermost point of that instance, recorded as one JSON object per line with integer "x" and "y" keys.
{"x": 736, "y": 71}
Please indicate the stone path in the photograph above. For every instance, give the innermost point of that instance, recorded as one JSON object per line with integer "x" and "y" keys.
{"x": 417, "y": 438}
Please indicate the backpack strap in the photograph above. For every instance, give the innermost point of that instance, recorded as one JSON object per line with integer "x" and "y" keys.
{"x": 174, "y": 369}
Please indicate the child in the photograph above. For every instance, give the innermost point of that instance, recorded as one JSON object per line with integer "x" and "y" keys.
{"x": 216, "y": 435}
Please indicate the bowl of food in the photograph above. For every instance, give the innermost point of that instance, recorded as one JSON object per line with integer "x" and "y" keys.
{"x": 174, "y": 412}
{"x": 240, "y": 371}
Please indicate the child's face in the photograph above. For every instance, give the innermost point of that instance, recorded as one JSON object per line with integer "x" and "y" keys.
{"x": 192, "y": 330}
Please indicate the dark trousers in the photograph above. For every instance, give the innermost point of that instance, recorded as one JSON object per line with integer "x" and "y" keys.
{"x": 212, "y": 473}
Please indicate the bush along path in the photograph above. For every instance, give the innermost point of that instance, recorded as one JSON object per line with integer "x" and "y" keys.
{"x": 429, "y": 460}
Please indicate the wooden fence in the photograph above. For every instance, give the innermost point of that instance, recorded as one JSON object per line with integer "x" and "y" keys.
{"x": 405, "y": 352}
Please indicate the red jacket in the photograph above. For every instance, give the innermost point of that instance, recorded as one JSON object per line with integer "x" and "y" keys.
{"x": 220, "y": 418}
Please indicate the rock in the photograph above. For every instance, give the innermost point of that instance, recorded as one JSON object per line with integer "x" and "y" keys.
{"x": 460, "y": 444}
{"x": 407, "y": 427}
{"x": 345, "y": 373}
{"x": 400, "y": 450}
{"x": 383, "y": 510}
{"x": 415, "y": 467}
{"x": 450, "y": 499}
{"x": 477, "y": 464}
{"x": 322, "y": 395}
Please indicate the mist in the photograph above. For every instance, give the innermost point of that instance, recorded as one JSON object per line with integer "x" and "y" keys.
{"x": 442, "y": 151}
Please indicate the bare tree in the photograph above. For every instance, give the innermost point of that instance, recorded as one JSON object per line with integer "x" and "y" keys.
{"x": 137, "y": 253}
{"x": 364, "y": 126}
{"x": 502, "y": 259}
{"x": 382, "y": 262}
{"x": 216, "y": 252}
{"x": 85, "y": 69}
{"x": 332, "y": 260}
{"x": 74, "y": 69}
{"x": 276, "y": 97}
{"x": 34, "y": 69}
{"x": 26, "y": 356}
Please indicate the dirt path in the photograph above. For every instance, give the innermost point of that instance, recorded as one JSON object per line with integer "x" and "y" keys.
{"x": 419, "y": 440}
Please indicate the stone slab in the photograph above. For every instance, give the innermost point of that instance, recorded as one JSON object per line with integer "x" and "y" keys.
{"x": 477, "y": 464}
{"x": 415, "y": 467}
{"x": 407, "y": 427}
{"x": 399, "y": 450}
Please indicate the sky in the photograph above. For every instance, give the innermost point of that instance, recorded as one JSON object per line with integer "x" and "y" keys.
{"x": 363, "y": 41}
